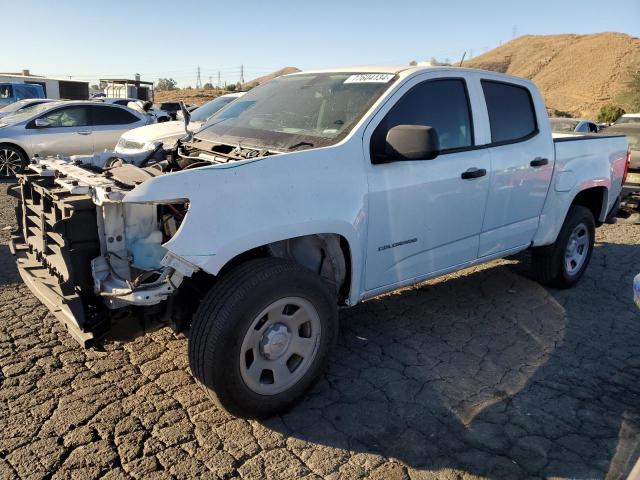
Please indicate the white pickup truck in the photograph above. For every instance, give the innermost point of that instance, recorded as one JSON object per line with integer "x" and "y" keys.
{"x": 314, "y": 191}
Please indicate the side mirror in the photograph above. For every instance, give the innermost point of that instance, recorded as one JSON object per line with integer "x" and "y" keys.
{"x": 42, "y": 123}
{"x": 411, "y": 142}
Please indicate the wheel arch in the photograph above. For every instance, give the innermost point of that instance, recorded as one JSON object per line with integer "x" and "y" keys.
{"x": 19, "y": 148}
{"x": 331, "y": 255}
{"x": 593, "y": 195}
{"x": 16, "y": 146}
{"x": 596, "y": 199}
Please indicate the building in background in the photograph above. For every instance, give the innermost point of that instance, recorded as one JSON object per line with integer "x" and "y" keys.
{"x": 124, "y": 88}
{"x": 53, "y": 87}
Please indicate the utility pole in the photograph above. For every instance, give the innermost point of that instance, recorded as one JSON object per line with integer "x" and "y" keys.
{"x": 198, "y": 80}
{"x": 241, "y": 74}
{"x": 219, "y": 84}
{"x": 210, "y": 81}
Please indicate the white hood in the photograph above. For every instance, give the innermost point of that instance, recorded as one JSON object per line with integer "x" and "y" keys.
{"x": 166, "y": 132}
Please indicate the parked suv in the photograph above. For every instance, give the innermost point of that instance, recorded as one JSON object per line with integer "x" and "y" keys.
{"x": 12, "y": 92}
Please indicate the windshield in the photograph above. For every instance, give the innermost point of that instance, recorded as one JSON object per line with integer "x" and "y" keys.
{"x": 309, "y": 110}
{"x": 27, "y": 112}
{"x": 560, "y": 125}
{"x": 627, "y": 120}
{"x": 203, "y": 113}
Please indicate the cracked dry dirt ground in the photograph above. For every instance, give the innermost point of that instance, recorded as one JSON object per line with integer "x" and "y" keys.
{"x": 484, "y": 375}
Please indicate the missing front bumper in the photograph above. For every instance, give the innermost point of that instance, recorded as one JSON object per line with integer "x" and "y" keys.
{"x": 54, "y": 244}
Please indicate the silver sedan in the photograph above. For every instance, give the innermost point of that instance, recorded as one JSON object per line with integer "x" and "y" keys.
{"x": 65, "y": 128}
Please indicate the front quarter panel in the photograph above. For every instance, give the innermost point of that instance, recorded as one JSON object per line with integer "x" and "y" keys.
{"x": 17, "y": 135}
{"x": 243, "y": 205}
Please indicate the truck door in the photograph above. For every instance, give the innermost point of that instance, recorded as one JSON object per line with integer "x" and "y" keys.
{"x": 522, "y": 157}
{"x": 425, "y": 216}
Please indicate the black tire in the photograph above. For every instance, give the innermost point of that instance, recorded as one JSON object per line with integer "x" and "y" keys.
{"x": 549, "y": 261}
{"x": 12, "y": 161}
{"x": 224, "y": 318}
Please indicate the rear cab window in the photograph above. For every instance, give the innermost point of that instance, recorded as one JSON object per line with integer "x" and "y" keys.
{"x": 512, "y": 115}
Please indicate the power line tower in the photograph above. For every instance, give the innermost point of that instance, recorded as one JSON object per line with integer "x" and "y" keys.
{"x": 210, "y": 81}
{"x": 241, "y": 74}
{"x": 198, "y": 80}
{"x": 219, "y": 84}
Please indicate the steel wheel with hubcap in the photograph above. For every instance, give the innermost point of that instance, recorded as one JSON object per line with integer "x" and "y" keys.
{"x": 261, "y": 335}
{"x": 562, "y": 263}
{"x": 280, "y": 345}
{"x": 577, "y": 249}
{"x": 12, "y": 161}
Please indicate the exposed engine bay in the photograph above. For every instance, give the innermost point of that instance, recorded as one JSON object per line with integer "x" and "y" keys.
{"x": 97, "y": 260}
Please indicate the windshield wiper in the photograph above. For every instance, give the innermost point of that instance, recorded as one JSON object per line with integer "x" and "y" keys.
{"x": 300, "y": 144}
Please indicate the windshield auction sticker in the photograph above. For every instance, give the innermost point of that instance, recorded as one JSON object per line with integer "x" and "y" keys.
{"x": 370, "y": 78}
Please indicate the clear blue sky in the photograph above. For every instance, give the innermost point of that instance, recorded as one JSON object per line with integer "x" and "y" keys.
{"x": 88, "y": 40}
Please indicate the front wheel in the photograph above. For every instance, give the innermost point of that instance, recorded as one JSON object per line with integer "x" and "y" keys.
{"x": 12, "y": 161}
{"x": 563, "y": 263}
{"x": 261, "y": 336}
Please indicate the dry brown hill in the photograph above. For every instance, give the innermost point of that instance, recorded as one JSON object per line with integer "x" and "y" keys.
{"x": 575, "y": 73}
{"x": 199, "y": 96}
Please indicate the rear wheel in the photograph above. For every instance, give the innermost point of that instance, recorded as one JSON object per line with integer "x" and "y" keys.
{"x": 563, "y": 263}
{"x": 261, "y": 336}
{"x": 12, "y": 161}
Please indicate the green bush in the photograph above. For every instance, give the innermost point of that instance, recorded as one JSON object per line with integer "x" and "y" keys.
{"x": 610, "y": 113}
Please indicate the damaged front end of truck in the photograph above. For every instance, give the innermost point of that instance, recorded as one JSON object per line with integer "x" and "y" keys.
{"x": 97, "y": 262}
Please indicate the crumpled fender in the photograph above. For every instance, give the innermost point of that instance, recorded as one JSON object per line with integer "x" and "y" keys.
{"x": 243, "y": 205}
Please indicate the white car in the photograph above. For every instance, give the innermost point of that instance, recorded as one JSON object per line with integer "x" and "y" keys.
{"x": 136, "y": 104}
{"x": 314, "y": 191}
{"x": 628, "y": 118}
{"x": 139, "y": 142}
{"x": 63, "y": 128}
{"x": 21, "y": 105}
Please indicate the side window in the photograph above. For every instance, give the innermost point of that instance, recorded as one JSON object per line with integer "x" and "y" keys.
{"x": 593, "y": 128}
{"x": 106, "y": 115}
{"x": 6, "y": 91}
{"x": 68, "y": 117}
{"x": 512, "y": 116}
{"x": 441, "y": 104}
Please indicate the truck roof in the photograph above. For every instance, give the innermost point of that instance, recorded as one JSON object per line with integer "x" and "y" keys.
{"x": 403, "y": 69}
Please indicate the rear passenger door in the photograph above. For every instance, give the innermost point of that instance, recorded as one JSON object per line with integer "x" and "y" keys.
{"x": 109, "y": 123}
{"x": 522, "y": 157}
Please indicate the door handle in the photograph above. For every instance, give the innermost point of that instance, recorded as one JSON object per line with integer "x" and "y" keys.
{"x": 84, "y": 132}
{"x": 473, "y": 173}
{"x": 539, "y": 162}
